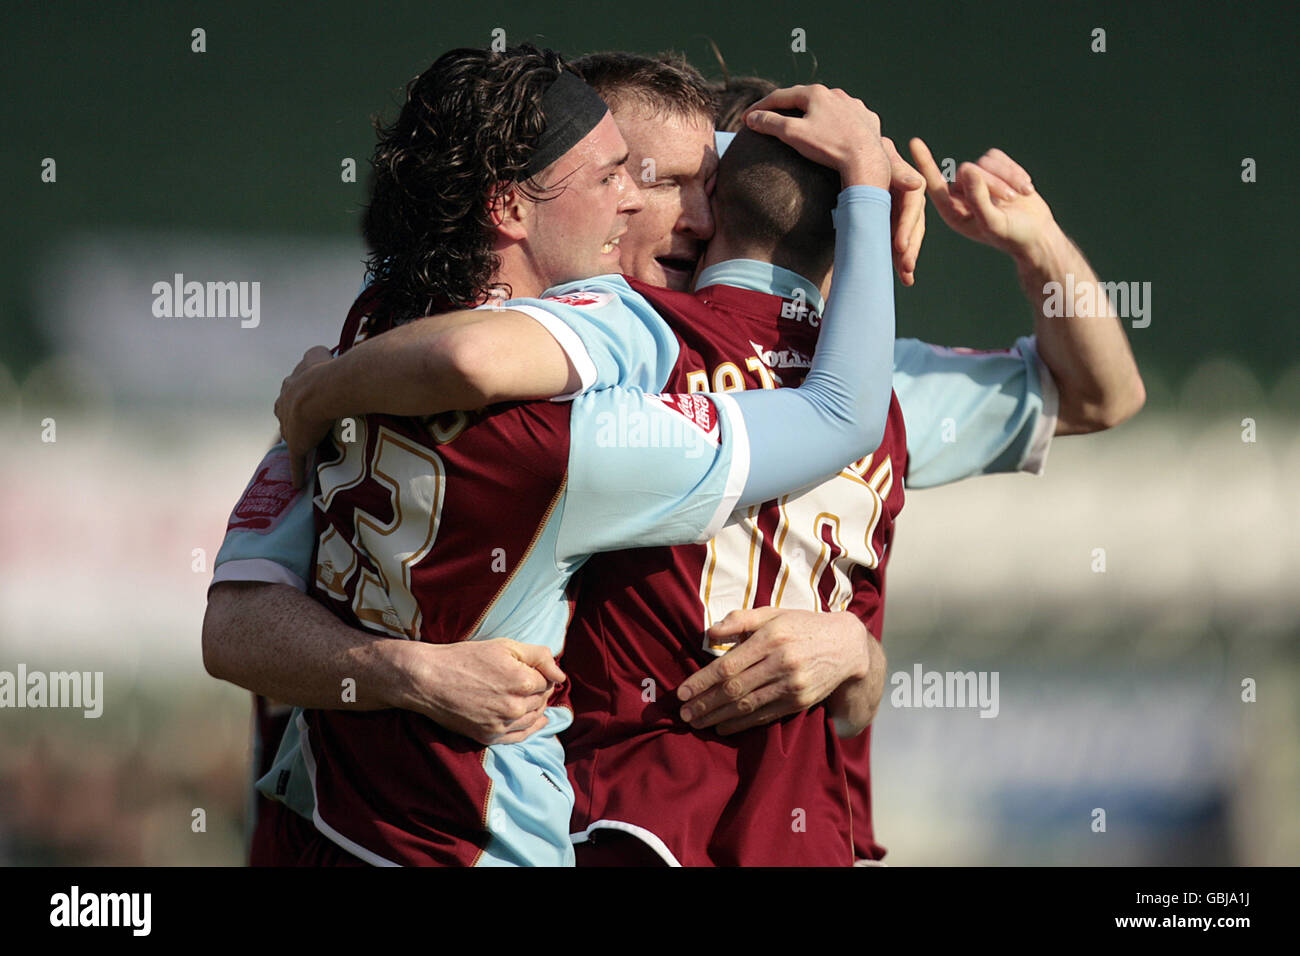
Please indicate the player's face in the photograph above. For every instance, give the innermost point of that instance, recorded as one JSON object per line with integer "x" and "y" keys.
{"x": 576, "y": 234}
{"x": 674, "y": 162}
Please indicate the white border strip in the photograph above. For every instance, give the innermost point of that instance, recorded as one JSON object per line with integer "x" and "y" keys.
{"x": 356, "y": 849}
{"x": 734, "y": 432}
{"x": 570, "y": 341}
{"x": 641, "y": 833}
{"x": 1035, "y": 460}
{"x": 260, "y": 570}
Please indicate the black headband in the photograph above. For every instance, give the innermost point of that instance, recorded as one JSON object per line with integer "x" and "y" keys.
{"x": 572, "y": 109}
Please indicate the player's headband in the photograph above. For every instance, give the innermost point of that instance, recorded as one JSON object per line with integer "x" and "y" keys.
{"x": 572, "y": 110}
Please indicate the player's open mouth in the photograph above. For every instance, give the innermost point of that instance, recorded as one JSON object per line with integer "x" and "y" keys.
{"x": 611, "y": 246}
{"x": 683, "y": 267}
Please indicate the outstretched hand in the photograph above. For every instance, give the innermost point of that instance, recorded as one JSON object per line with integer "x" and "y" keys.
{"x": 992, "y": 201}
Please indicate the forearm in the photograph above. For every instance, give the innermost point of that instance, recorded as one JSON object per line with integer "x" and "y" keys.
{"x": 854, "y": 704}
{"x": 277, "y": 642}
{"x": 838, "y": 414}
{"x": 1085, "y": 349}
{"x": 463, "y": 360}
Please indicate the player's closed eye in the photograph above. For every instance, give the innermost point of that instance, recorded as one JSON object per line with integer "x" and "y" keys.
{"x": 613, "y": 175}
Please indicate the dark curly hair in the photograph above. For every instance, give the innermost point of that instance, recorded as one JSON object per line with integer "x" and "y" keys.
{"x": 465, "y": 133}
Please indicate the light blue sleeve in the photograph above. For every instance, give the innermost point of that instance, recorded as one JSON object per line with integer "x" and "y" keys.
{"x": 612, "y": 334}
{"x": 271, "y": 536}
{"x": 649, "y": 470}
{"x": 838, "y": 414}
{"x": 973, "y": 413}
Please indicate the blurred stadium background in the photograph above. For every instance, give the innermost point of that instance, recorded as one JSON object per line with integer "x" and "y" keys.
{"x": 1120, "y": 690}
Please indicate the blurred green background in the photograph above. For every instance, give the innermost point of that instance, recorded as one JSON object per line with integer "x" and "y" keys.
{"x": 1138, "y": 150}
{"x": 1120, "y": 689}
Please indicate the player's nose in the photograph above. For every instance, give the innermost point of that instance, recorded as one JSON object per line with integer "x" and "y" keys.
{"x": 630, "y": 200}
{"x": 697, "y": 215}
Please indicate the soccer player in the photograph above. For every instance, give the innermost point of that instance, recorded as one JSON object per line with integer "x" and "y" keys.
{"x": 1068, "y": 378}
{"x": 399, "y": 517}
{"x": 1001, "y": 403}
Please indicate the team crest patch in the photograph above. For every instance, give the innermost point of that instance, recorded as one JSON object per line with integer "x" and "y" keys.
{"x": 582, "y": 300}
{"x": 267, "y": 497}
{"x": 697, "y": 409}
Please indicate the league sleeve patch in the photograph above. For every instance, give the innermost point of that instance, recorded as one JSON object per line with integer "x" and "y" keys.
{"x": 267, "y": 497}
{"x": 697, "y": 410}
{"x": 582, "y": 300}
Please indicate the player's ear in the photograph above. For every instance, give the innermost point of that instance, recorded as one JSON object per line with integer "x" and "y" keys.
{"x": 510, "y": 212}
